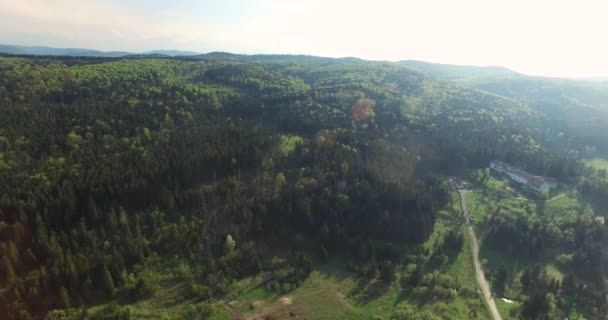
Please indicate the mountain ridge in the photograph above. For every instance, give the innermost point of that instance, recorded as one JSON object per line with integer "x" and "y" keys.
{"x": 456, "y": 72}
{"x": 83, "y": 52}
{"x": 439, "y": 70}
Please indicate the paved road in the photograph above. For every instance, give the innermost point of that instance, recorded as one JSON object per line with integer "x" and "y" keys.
{"x": 481, "y": 279}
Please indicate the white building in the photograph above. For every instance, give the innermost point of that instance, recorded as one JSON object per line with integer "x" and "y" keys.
{"x": 536, "y": 183}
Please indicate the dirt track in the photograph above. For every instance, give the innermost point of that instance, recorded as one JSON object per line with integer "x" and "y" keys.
{"x": 481, "y": 279}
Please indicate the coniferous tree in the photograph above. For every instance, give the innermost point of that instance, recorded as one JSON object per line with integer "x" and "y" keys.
{"x": 64, "y": 298}
{"x": 13, "y": 253}
{"x": 9, "y": 271}
{"x": 108, "y": 281}
{"x": 4, "y": 307}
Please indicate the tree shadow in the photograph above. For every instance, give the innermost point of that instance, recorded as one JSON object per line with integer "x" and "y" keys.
{"x": 367, "y": 291}
{"x": 359, "y": 290}
{"x": 375, "y": 290}
{"x": 404, "y": 293}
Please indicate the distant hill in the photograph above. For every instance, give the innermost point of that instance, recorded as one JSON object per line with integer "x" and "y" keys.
{"x": 596, "y": 79}
{"x": 578, "y": 106}
{"x": 49, "y": 51}
{"x": 455, "y": 72}
{"x": 172, "y": 53}
{"x": 276, "y": 58}
{"x": 78, "y": 52}
{"x": 581, "y": 107}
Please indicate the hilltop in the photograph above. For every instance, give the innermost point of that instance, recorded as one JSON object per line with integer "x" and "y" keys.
{"x": 78, "y": 52}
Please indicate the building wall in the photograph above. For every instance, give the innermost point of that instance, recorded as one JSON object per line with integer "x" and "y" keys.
{"x": 517, "y": 178}
{"x": 499, "y": 167}
{"x": 542, "y": 188}
{"x": 496, "y": 166}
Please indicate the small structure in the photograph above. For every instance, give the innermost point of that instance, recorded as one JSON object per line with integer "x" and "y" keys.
{"x": 230, "y": 243}
{"x": 536, "y": 183}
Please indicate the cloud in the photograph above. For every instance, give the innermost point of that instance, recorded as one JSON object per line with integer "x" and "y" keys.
{"x": 97, "y": 24}
{"x": 541, "y": 37}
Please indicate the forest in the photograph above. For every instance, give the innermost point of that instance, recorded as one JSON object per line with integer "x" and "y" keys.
{"x": 237, "y": 166}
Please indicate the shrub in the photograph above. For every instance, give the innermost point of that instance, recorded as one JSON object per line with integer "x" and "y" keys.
{"x": 200, "y": 291}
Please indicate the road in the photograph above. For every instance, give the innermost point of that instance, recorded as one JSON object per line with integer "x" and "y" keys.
{"x": 481, "y": 279}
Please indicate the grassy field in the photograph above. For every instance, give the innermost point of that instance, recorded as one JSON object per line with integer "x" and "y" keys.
{"x": 492, "y": 193}
{"x": 494, "y": 196}
{"x": 147, "y": 310}
{"x": 319, "y": 297}
{"x": 330, "y": 292}
{"x": 563, "y": 208}
{"x": 169, "y": 279}
{"x": 506, "y": 309}
{"x": 463, "y": 270}
{"x": 496, "y": 193}
{"x": 515, "y": 265}
{"x": 478, "y": 206}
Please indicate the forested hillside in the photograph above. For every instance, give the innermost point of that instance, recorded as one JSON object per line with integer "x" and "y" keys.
{"x": 578, "y": 108}
{"x": 567, "y": 230}
{"x": 575, "y": 107}
{"x": 456, "y": 72}
{"x": 224, "y": 162}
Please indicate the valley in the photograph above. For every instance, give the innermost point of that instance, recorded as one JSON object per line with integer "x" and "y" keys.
{"x": 226, "y": 186}
{"x": 481, "y": 279}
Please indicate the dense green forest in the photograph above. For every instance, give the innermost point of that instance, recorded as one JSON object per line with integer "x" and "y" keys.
{"x": 237, "y": 166}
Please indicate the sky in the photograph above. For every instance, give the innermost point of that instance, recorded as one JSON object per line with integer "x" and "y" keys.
{"x": 539, "y": 37}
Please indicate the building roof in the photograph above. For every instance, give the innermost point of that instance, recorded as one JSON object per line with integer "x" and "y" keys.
{"x": 536, "y": 182}
{"x": 532, "y": 180}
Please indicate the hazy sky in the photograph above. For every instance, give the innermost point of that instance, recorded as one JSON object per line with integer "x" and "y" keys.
{"x": 544, "y": 37}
